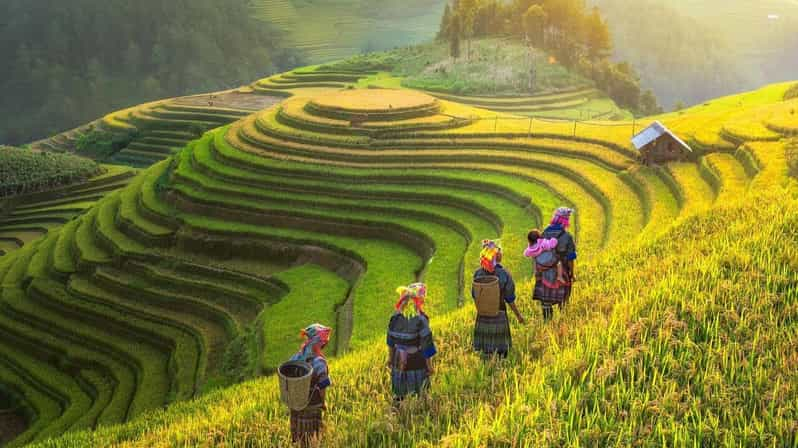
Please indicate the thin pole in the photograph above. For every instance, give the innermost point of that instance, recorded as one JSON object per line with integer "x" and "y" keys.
{"x": 529, "y": 131}
{"x": 496, "y": 123}
{"x": 634, "y": 122}
{"x": 574, "y": 128}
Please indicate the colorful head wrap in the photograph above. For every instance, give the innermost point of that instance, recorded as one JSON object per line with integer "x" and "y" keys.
{"x": 562, "y": 216}
{"x": 490, "y": 255}
{"x": 416, "y": 292}
{"x": 316, "y": 337}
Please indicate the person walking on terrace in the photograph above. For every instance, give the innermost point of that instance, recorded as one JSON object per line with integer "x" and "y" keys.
{"x": 492, "y": 330}
{"x": 410, "y": 343}
{"x": 307, "y": 423}
{"x": 547, "y": 292}
{"x": 541, "y": 250}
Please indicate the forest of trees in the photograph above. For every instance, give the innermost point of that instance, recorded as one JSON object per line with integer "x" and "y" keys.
{"x": 680, "y": 58}
{"x": 577, "y": 36}
{"x": 69, "y": 62}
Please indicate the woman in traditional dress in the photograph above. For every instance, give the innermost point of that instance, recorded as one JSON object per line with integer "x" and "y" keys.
{"x": 410, "y": 343}
{"x": 558, "y": 294}
{"x": 492, "y": 333}
{"x": 307, "y": 423}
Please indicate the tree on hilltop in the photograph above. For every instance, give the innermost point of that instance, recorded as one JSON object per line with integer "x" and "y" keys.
{"x": 534, "y": 21}
{"x": 467, "y": 13}
{"x": 454, "y": 37}
{"x": 648, "y": 103}
{"x": 446, "y": 24}
{"x": 576, "y": 36}
{"x": 597, "y": 36}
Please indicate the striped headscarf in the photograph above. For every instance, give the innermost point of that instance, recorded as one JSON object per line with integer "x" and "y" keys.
{"x": 416, "y": 292}
{"x": 316, "y": 337}
{"x": 490, "y": 255}
{"x": 562, "y": 216}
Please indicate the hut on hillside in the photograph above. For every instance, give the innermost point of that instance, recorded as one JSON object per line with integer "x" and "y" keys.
{"x": 657, "y": 144}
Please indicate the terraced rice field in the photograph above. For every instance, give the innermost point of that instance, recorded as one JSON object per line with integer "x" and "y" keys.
{"x": 726, "y": 123}
{"x": 307, "y": 82}
{"x": 26, "y": 218}
{"x": 576, "y": 103}
{"x": 201, "y": 269}
{"x": 65, "y": 141}
{"x": 161, "y": 128}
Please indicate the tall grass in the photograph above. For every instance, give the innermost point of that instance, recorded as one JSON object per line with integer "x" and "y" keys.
{"x": 659, "y": 347}
{"x": 681, "y": 336}
{"x": 686, "y": 339}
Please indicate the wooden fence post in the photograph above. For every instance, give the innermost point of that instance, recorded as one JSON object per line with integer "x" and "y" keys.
{"x": 574, "y": 128}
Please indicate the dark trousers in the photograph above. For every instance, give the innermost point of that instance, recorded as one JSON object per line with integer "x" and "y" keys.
{"x": 548, "y": 310}
{"x": 306, "y": 426}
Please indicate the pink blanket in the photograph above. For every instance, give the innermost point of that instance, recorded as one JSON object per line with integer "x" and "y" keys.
{"x": 542, "y": 245}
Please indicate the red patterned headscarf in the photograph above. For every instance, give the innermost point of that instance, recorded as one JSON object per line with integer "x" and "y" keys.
{"x": 490, "y": 255}
{"x": 316, "y": 337}
{"x": 417, "y": 292}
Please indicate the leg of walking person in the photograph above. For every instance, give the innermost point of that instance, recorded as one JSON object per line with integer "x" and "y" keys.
{"x": 548, "y": 311}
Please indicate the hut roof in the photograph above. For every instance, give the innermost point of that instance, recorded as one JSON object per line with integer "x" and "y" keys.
{"x": 654, "y": 131}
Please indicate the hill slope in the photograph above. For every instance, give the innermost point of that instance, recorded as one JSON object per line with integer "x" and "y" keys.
{"x": 346, "y": 193}
{"x": 142, "y": 135}
{"x": 70, "y": 62}
{"x": 692, "y": 51}
{"x": 325, "y": 30}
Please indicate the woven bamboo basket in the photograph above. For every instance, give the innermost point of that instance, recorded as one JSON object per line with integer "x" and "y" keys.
{"x": 487, "y": 295}
{"x": 294, "y": 377}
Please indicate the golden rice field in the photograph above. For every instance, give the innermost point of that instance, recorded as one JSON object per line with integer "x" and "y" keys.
{"x": 135, "y": 324}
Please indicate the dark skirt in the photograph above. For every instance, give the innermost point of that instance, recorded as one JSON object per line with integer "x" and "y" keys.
{"x": 305, "y": 425}
{"x": 548, "y": 295}
{"x": 405, "y": 382}
{"x": 492, "y": 334}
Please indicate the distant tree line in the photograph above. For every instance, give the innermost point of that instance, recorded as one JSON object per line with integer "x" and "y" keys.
{"x": 577, "y": 36}
{"x": 682, "y": 59}
{"x": 69, "y": 62}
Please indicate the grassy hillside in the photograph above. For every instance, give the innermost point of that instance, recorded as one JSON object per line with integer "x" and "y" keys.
{"x": 496, "y": 77}
{"x": 325, "y": 30}
{"x": 198, "y": 273}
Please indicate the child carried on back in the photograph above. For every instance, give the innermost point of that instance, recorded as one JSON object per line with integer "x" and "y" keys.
{"x": 542, "y": 251}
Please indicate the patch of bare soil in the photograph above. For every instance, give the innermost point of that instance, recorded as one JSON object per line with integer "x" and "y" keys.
{"x": 232, "y": 100}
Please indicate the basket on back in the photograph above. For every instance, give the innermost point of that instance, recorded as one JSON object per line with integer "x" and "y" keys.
{"x": 294, "y": 377}
{"x": 487, "y": 295}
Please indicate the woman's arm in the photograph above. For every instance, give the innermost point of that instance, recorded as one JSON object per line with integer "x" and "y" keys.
{"x": 427, "y": 343}
{"x": 517, "y": 313}
{"x": 508, "y": 295}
